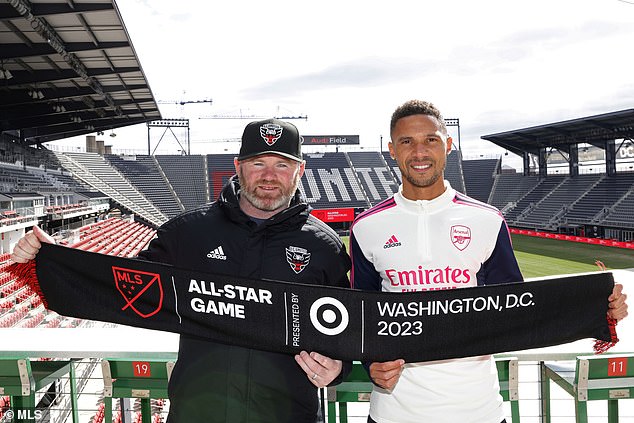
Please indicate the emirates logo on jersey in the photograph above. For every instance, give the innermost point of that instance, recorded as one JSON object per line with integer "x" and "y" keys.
{"x": 460, "y": 236}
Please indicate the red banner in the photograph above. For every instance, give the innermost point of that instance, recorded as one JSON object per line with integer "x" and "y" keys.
{"x": 334, "y": 215}
{"x": 574, "y": 238}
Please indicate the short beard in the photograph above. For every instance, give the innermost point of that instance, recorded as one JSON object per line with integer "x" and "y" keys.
{"x": 423, "y": 182}
{"x": 268, "y": 203}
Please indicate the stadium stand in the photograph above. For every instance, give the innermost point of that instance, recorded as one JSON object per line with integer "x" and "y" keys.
{"x": 509, "y": 188}
{"x": 453, "y": 171}
{"x": 479, "y": 176}
{"x": 621, "y": 215}
{"x": 374, "y": 175}
{"x": 16, "y": 179}
{"x": 221, "y": 168}
{"x": 528, "y": 200}
{"x": 21, "y": 307}
{"x": 95, "y": 171}
{"x": 186, "y": 174}
{"x": 594, "y": 205}
{"x": 547, "y": 213}
{"x": 144, "y": 173}
{"x": 332, "y": 180}
{"x": 392, "y": 165}
{"x": 67, "y": 182}
{"x": 329, "y": 180}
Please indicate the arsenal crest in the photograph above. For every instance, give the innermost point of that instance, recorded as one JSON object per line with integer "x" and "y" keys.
{"x": 137, "y": 287}
{"x": 271, "y": 132}
{"x": 460, "y": 236}
{"x": 298, "y": 258}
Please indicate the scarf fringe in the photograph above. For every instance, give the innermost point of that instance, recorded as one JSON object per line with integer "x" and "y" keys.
{"x": 26, "y": 272}
{"x": 602, "y": 346}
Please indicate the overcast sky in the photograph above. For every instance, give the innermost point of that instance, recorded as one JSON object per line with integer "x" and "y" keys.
{"x": 495, "y": 65}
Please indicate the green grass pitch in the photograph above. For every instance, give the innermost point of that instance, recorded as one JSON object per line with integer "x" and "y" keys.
{"x": 545, "y": 257}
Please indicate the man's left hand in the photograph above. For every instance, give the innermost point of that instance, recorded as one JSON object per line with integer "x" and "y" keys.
{"x": 617, "y": 307}
{"x": 320, "y": 370}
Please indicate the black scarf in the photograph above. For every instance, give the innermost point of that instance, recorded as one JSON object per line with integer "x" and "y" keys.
{"x": 339, "y": 323}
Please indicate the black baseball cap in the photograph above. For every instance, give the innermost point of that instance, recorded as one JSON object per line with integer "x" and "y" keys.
{"x": 271, "y": 136}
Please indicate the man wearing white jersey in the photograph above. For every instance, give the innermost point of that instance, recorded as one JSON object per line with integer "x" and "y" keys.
{"x": 430, "y": 237}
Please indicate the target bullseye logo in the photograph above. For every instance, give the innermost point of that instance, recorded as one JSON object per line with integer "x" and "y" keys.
{"x": 329, "y": 316}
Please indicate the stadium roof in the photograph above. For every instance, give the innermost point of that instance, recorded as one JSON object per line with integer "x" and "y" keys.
{"x": 593, "y": 130}
{"x": 68, "y": 68}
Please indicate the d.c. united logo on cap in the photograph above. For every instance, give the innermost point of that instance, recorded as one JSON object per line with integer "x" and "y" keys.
{"x": 271, "y": 136}
{"x": 271, "y": 132}
{"x": 136, "y": 284}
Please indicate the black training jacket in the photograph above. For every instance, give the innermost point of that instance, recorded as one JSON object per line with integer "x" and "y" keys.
{"x": 215, "y": 382}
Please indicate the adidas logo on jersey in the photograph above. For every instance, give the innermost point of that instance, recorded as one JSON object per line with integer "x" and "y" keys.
{"x": 218, "y": 253}
{"x": 392, "y": 242}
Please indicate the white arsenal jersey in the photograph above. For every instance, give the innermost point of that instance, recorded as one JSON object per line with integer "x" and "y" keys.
{"x": 450, "y": 242}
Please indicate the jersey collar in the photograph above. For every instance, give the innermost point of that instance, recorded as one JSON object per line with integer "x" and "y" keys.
{"x": 426, "y": 206}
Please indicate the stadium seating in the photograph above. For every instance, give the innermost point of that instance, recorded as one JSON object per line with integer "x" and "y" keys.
{"x": 589, "y": 379}
{"x": 144, "y": 173}
{"x": 16, "y": 179}
{"x": 479, "y": 177}
{"x": 374, "y": 175}
{"x": 94, "y": 170}
{"x": 332, "y": 180}
{"x": 547, "y": 212}
{"x": 329, "y": 180}
{"x": 356, "y": 387}
{"x": 221, "y": 168}
{"x": 144, "y": 380}
{"x": 509, "y": 188}
{"x": 186, "y": 174}
{"x": 453, "y": 171}
{"x": 599, "y": 199}
{"x": 21, "y": 378}
{"x": 67, "y": 182}
{"x": 621, "y": 214}
{"x": 21, "y": 307}
{"x": 524, "y": 204}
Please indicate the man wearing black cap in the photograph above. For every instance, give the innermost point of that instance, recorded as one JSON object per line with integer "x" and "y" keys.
{"x": 258, "y": 228}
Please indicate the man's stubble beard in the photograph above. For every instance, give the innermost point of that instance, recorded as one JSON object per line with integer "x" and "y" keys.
{"x": 424, "y": 181}
{"x": 268, "y": 202}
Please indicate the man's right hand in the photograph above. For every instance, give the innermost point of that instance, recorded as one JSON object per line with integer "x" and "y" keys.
{"x": 29, "y": 245}
{"x": 386, "y": 374}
